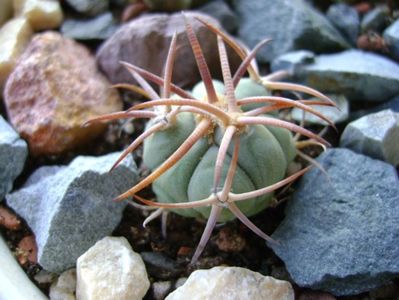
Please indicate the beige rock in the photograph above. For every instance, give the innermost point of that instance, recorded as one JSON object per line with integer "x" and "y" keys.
{"x": 111, "y": 270}
{"x": 41, "y": 14}
{"x": 14, "y": 37}
{"x": 64, "y": 287}
{"x": 5, "y": 11}
{"x": 53, "y": 90}
{"x": 232, "y": 283}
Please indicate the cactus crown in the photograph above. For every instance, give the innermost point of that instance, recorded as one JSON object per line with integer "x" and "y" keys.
{"x": 215, "y": 111}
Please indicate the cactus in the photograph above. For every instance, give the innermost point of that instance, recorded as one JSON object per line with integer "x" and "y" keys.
{"x": 215, "y": 154}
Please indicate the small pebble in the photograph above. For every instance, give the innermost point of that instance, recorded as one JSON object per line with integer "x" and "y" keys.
{"x": 64, "y": 287}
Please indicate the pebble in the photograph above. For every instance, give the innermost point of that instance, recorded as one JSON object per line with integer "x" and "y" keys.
{"x": 41, "y": 14}
{"x": 368, "y": 77}
{"x": 340, "y": 232}
{"x": 6, "y": 11}
{"x": 13, "y": 153}
{"x": 391, "y": 37}
{"x": 160, "y": 289}
{"x": 232, "y": 283}
{"x": 346, "y": 19}
{"x": 49, "y": 95}
{"x": 293, "y": 61}
{"x": 292, "y": 25}
{"x": 375, "y": 135}
{"x": 376, "y": 19}
{"x": 89, "y": 7}
{"x": 64, "y": 287}
{"x": 69, "y": 208}
{"x": 14, "y": 37}
{"x": 160, "y": 266}
{"x": 145, "y": 42}
{"x": 111, "y": 270}
{"x": 219, "y": 10}
{"x": 98, "y": 28}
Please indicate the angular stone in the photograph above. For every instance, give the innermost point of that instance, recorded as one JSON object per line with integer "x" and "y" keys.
{"x": 391, "y": 37}
{"x": 53, "y": 90}
{"x": 303, "y": 27}
{"x": 64, "y": 287}
{"x": 41, "y": 14}
{"x": 6, "y": 11}
{"x": 69, "y": 208}
{"x": 368, "y": 76}
{"x": 293, "y": 61}
{"x": 346, "y": 19}
{"x": 376, "y": 19}
{"x": 89, "y": 7}
{"x": 375, "y": 135}
{"x": 111, "y": 270}
{"x": 13, "y": 153}
{"x": 14, "y": 37}
{"x": 232, "y": 283}
{"x": 98, "y": 28}
{"x": 222, "y": 12}
{"x": 340, "y": 233}
{"x": 145, "y": 42}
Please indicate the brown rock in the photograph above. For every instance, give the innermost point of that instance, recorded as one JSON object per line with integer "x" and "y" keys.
{"x": 54, "y": 88}
{"x": 27, "y": 250}
{"x": 145, "y": 43}
{"x": 8, "y": 219}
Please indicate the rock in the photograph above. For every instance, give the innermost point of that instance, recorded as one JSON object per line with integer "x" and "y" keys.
{"x": 69, "y": 208}
{"x": 145, "y": 42}
{"x": 232, "y": 283}
{"x": 392, "y": 104}
{"x": 222, "y": 12}
{"x": 340, "y": 232}
{"x": 160, "y": 266}
{"x": 111, "y": 270}
{"x": 89, "y": 7}
{"x": 14, "y": 37}
{"x": 13, "y": 153}
{"x": 391, "y": 37}
{"x": 346, "y": 19}
{"x": 376, "y": 19}
{"x": 293, "y": 61}
{"x": 160, "y": 289}
{"x": 64, "y": 287}
{"x": 6, "y": 11}
{"x": 41, "y": 14}
{"x": 375, "y": 135}
{"x": 53, "y": 90}
{"x": 335, "y": 114}
{"x": 292, "y": 25}
{"x": 98, "y": 28}
{"x": 368, "y": 76}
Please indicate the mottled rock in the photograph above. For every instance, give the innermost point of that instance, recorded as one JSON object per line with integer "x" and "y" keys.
{"x": 64, "y": 287}
{"x": 14, "y": 37}
{"x": 13, "y": 153}
{"x": 222, "y": 12}
{"x": 232, "y": 283}
{"x": 303, "y": 27}
{"x": 335, "y": 114}
{"x": 145, "y": 42}
{"x": 41, "y": 14}
{"x": 368, "y": 76}
{"x": 111, "y": 270}
{"x": 376, "y": 19}
{"x": 375, "y": 135}
{"x": 6, "y": 11}
{"x": 346, "y": 19}
{"x": 53, "y": 90}
{"x": 69, "y": 208}
{"x": 89, "y": 7}
{"x": 340, "y": 233}
{"x": 391, "y": 37}
{"x": 98, "y": 28}
{"x": 293, "y": 61}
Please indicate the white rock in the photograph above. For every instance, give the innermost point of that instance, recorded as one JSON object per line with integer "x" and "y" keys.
{"x": 111, "y": 270}
{"x": 232, "y": 283}
{"x": 65, "y": 286}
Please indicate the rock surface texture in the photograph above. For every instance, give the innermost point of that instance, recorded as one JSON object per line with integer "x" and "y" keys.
{"x": 346, "y": 19}
{"x": 53, "y": 90}
{"x": 111, "y": 270}
{"x": 69, "y": 208}
{"x": 340, "y": 233}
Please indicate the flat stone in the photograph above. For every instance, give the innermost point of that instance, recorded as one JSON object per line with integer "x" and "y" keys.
{"x": 293, "y": 61}
{"x": 13, "y": 153}
{"x": 346, "y": 19}
{"x": 376, "y": 19}
{"x": 391, "y": 37}
{"x": 368, "y": 77}
{"x": 69, "y": 208}
{"x": 64, "y": 287}
{"x": 145, "y": 42}
{"x": 222, "y": 12}
{"x": 111, "y": 270}
{"x": 375, "y": 135}
{"x": 232, "y": 283}
{"x": 340, "y": 233}
{"x": 89, "y": 7}
{"x": 6, "y": 11}
{"x": 98, "y": 28}
{"x": 41, "y": 14}
{"x": 303, "y": 27}
{"x": 49, "y": 95}
{"x": 14, "y": 37}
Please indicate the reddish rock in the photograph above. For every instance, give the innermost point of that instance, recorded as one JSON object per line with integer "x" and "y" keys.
{"x": 145, "y": 42}
{"x": 8, "y": 219}
{"x": 54, "y": 88}
{"x": 27, "y": 250}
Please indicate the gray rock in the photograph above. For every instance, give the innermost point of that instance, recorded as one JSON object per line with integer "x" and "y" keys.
{"x": 357, "y": 74}
{"x": 13, "y": 153}
{"x": 375, "y": 135}
{"x": 89, "y": 7}
{"x": 221, "y": 12}
{"x": 340, "y": 233}
{"x": 346, "y": 19}
{"x": 291, "y": 24}
{"x": 392, "y": 104}
{"x": 293, "y": 61}
{"x": 98, "y": 28}
{"x": 376, "y": 19}
{"x": 391, "y": 37}
{"x": 160, "y": 266}
{"x": 69, "y": 208}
